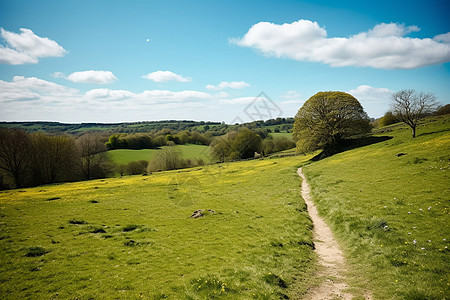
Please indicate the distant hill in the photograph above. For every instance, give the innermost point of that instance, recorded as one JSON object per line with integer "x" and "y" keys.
{"x": 216, "y": 128}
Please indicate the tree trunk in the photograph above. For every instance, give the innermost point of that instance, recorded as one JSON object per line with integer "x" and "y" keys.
{"x": 413, "y": 131}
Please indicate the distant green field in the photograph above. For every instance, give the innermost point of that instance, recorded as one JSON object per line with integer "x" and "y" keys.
{"x": 133, "y": 237}
{"x": 389, "y": 205}
{"x": 281, "y": 134}
{"x": 124, "y": 156}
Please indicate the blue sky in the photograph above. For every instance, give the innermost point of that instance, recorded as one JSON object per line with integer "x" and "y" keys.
{"x": 116, "y": 61}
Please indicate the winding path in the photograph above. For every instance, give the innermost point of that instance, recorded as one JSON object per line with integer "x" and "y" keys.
{"x": 331, "y": 258}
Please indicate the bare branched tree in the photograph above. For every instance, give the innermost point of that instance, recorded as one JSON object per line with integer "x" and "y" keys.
{"x": 15, "y": 149}
{"x": 409, "y": 107}
{"x": 94, "y": 162}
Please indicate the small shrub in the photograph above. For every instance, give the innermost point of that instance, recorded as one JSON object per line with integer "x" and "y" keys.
{"x": 35, "y": 251}
{"x": 137, "y": 167}
{"x": 388, "y": 119}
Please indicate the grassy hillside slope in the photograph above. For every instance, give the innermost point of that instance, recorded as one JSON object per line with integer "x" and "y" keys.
{"x": 391, "y": 212}
{"x": 133, "y": 237}
{"x": 124, "y": 156}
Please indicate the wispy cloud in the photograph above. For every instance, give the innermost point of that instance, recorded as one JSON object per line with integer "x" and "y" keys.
{"x": 385, "y": 46}
{"x": 229, "y": 85}
{"x": 164, "y": 76}
{"x": 26, "y": 47}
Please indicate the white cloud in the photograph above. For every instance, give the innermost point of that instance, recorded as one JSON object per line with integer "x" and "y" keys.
{"x": 374, "y": 100}
{"x": 229, "y": 85}
{"x": 148, "y": 96}
{"x": 240, "y": 100}
{"x": 163, "y": 76}
{"x": 366, "y": 92}
{"x": 384, "y": 46}
{"x": 27, "y": 47}
{"x": 391, "y": 29}
{"x": 96, "y": 77}
{"x": 32, "y": 88}
{"x": 443, "y": 38}
{"x": 30, "y": 98}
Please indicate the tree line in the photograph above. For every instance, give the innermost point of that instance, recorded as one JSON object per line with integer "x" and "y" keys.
{"x": 246, "y": 143}
{"x": 36, "y": 159}
{"x": 156, "y": 140}
{"x": 32, "y": 159}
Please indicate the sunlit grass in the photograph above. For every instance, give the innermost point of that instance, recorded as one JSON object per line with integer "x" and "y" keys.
{"x": 391, "y": 212}
{"x": 133, "y": 237}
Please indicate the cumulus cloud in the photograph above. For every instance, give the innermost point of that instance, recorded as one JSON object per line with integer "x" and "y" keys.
{"x": 385, "y": 46}
{"x": 27, "y": 47}
{"x": 367, "y": 92}
{"x": 31, "y": 88}
{"x": 148, "y": 96}
{"x": 374, "y": 100}
{"x": 96, "y": 77}
{"x": 229, "y": 85}
{"x": 31, "y": 98}
{"x": 163, "y": 76}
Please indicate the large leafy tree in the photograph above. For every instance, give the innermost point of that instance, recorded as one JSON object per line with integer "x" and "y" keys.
{"x": 327, "y": 119}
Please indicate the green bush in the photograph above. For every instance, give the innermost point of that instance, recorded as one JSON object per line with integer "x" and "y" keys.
{"x": 136, "y": 167}
{"x": 388, "y": 119}
{"x": 168, "y": 158}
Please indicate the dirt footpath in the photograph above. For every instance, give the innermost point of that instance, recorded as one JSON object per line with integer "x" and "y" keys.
{"x": 331, "y": 258}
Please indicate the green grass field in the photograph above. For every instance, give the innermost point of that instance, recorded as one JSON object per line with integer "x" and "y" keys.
{"x": 124, "y": 156}
{"x": 281, "y": 134}
{"x": 133, "y": 237}
{"x": 391, "y": 213}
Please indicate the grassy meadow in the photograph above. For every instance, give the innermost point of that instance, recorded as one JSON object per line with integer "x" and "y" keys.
{"x": 391, "y": 213}
{"x": 124, "y": 156}
{"x": 134, "y": 237}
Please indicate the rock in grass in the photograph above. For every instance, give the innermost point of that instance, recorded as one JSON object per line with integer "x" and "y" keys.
{"x": 201, "y": 213}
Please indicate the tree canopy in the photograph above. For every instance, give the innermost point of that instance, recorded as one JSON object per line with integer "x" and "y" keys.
{"x": 327, "y": 119}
